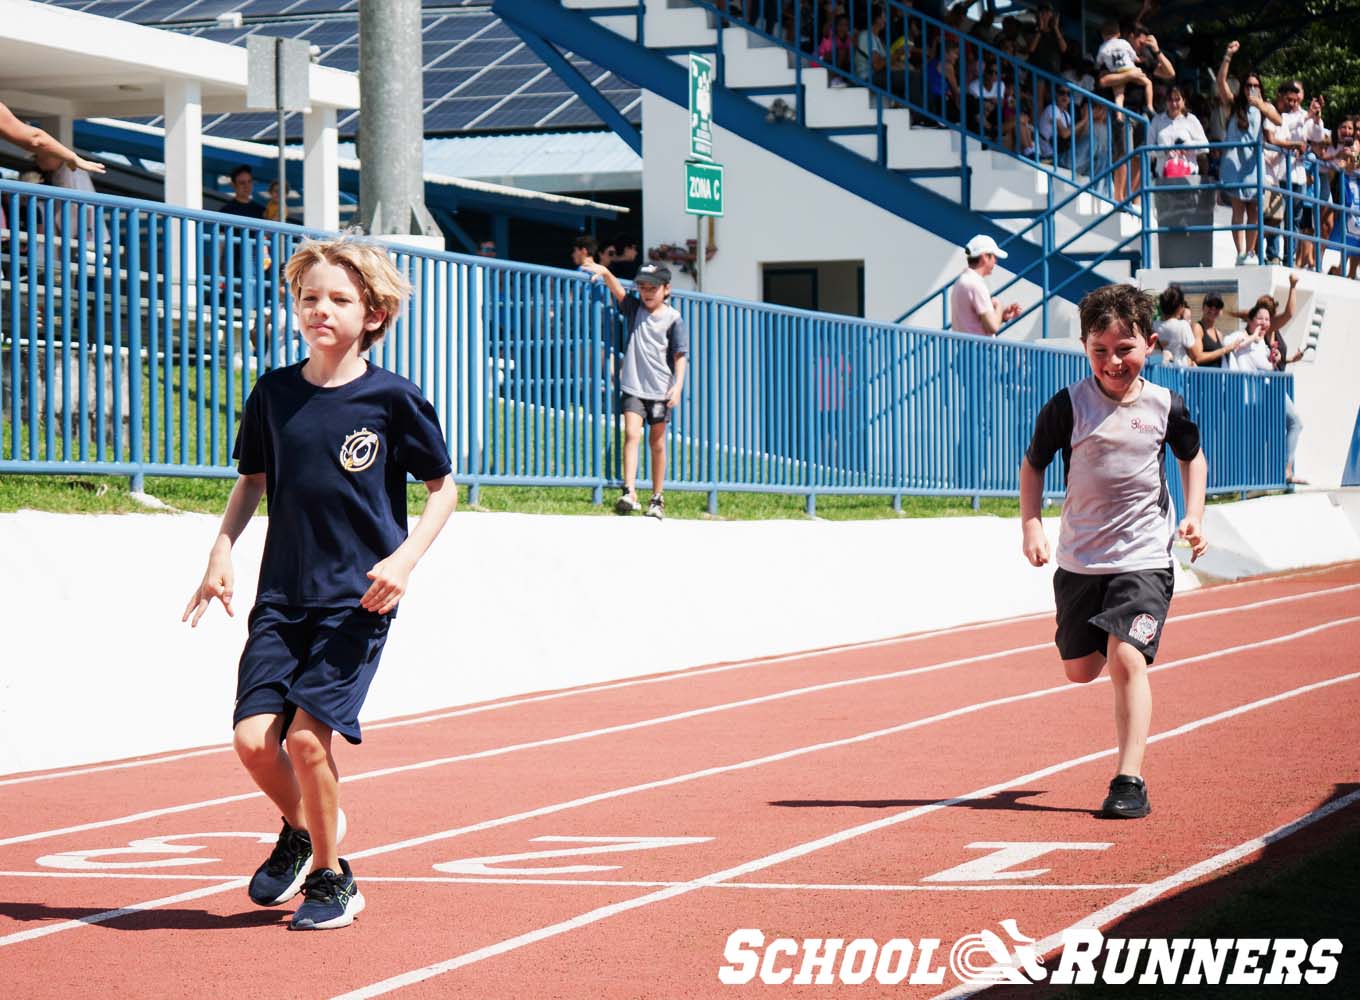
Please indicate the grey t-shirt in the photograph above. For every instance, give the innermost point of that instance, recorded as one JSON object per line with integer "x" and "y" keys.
{"x": 655, "y": 340}
{"x": 1118, "y": 516}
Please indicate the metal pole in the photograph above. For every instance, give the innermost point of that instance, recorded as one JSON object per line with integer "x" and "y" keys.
{"x": 700, "y": 255}
{"x": 278, "y": 106}
{"x": 391, "y": 124}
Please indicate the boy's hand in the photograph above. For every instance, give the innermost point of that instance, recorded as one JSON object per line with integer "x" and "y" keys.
{"x": 595, "y": 268}
{"x": 217, "y": 582}
{"x": 1035, "y": 544}
{"x": 1190, "y": 531}
{"x": 389, "y": 584}
{"x": 673, "y": 397}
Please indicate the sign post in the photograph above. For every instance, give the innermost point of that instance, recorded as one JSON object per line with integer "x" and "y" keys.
{"x": 276, "y": 77}
{"x": 703, "y": 177}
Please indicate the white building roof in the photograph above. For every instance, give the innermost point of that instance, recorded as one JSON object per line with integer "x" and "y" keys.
{"x": 543, "y": 161}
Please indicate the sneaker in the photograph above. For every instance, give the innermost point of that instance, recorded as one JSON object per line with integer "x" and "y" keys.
{"x": 1128, "y": 798}
{"x": 627, "y": 504}
{"x": 332, "y": 900}
{"x": 1241, "y": 260}
{"x": 279, "y": 878}
{"x": 656, "y": 507}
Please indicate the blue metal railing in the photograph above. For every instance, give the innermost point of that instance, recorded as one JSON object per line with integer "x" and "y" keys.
{"x": 128, "y": 346}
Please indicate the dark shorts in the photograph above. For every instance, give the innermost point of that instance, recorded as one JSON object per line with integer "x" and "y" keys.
{"x": 320, "y": 660}
{"x": 1132, "y": 606}
{"x": 654, "y": 411}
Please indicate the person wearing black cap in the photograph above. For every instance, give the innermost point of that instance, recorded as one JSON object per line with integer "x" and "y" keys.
{"x": 653, "y": 376}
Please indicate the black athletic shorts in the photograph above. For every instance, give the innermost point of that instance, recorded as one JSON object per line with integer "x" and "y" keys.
{"x": 1092, "y": 607}
{"x": 654, "y": 411}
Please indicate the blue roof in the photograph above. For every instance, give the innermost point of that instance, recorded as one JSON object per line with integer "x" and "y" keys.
{"x": 479, "y": 76}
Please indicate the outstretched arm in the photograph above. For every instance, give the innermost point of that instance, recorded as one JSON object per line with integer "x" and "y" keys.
{"x": 1281, "y": 319}
{"x": 611, "y": 282}
{"x": 34, "y": 140}
{"x": 1225, "y": 93}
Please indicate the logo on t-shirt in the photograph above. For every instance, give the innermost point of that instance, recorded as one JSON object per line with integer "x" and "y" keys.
{"x": 359, "y": 451}
{"x": 1139, "y": 424}
{"x": 1143, "y": 629}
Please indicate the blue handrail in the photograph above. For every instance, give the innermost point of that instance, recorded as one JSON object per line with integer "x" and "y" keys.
{"x": 128, "y": 347}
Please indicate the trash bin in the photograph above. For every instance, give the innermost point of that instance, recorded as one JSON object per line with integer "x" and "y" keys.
{"x": 1176, "y": 209}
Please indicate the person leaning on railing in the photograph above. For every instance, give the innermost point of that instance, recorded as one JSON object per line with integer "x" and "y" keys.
{"x": 1240, "y": 170}
{"x": 34, "y": 140}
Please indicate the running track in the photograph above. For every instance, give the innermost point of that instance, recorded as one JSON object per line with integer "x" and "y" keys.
{"x": 829, "y": 794}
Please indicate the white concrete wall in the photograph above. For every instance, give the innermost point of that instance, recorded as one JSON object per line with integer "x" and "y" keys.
{"x": 97, "y": 665}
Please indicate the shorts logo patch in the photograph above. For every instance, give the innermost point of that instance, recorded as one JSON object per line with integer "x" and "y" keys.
{"x": 1143, "y": 629}
{"x": 359, "y": 451}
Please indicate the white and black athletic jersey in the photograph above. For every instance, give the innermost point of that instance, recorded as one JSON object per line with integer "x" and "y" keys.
{"x": 1118, "y": 516}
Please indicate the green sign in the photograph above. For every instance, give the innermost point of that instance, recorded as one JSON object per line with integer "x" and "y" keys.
{"x": 700, "y": 107}
{"x": 703, "y": 188}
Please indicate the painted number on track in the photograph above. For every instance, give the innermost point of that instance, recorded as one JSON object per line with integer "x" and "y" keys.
{"x": 997, "y": 866}
{"x": 496, "y": 864}
{"x": 88, "y": 860}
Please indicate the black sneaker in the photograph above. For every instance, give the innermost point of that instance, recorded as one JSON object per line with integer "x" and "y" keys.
{"x": 656, "y": 507}
{"x": 278, "y": 879}
{"x": 332, "y": 900}
{"x": 1128, "y": 798}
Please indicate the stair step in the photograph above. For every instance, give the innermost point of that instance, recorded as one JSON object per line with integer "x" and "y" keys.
{"x": 676, "y": 27}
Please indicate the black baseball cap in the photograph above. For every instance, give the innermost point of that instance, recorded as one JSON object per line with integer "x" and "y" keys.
{"x": 653, "y": 274}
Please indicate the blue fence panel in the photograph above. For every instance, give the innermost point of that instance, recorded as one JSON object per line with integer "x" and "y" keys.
{"x": 131, "y": 334}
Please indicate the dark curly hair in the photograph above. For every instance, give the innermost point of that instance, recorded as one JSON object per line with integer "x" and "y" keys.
{"x": 1116, "y": 304}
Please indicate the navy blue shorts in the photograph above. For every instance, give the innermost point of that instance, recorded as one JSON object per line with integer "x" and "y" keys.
{"x": 1132, "y": 606}
{"x": 320, "y": 660}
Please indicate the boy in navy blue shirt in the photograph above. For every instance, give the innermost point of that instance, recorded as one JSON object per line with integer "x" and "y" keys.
{"x": 330, "y": 441}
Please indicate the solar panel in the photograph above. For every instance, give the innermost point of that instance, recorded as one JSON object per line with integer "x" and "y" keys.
{"x": 479, "y": 75}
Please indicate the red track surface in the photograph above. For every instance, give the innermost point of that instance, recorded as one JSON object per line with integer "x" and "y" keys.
{"x": 789, "y": 787}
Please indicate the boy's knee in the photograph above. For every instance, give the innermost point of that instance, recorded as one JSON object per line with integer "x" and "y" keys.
{"x": 255, "y": 748}
{"x": 306, "y": 748}
{"x": 1084, "y": 670}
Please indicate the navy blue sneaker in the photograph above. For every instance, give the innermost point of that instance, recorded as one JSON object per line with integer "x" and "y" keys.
{"x": 332, "y": 900}
{"x": 1128, "y": 798}
{"x": 278, "y": 879}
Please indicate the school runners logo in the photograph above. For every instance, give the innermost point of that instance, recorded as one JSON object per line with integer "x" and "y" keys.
{"x": 1143, "y": 629}
{"x": 987, "y": 959}
{"x": 359, "y": 451}
{"x": 1142, "y": 426}
{"x": 984, "y": 958}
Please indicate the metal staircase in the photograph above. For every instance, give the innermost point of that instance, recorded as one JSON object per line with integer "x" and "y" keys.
{"x": 955, "y": 178}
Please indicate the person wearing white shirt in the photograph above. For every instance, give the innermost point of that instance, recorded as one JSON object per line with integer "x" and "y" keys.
{"x": 1174, "y": 333}
{"x": 1177, "y": 126}
{"x": 1290, "y": 170}
{"x": 1056, "y": 129}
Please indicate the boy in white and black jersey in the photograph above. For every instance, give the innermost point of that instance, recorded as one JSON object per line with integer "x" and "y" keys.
{"x": 1114, "y": 578}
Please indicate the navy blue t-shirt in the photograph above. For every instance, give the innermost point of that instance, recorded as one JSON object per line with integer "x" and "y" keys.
{"x": 335, "y": 463}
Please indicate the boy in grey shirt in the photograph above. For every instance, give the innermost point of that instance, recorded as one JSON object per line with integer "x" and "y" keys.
{"x": 653, "y": 377}
{"x": 1114, "y": 579}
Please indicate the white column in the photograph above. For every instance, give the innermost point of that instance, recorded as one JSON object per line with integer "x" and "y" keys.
{"x": 183, "y": 144}
{"x": 320, "y": 170}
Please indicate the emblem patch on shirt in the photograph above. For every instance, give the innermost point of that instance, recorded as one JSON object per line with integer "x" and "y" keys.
{"x": 1143, "y": 629}
{"x": 1139, "y": 424}
{"x": 359, "y": 451}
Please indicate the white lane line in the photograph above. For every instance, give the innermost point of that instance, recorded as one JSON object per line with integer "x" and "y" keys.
{"x": 682, "y": 675}
{"x": 616, "y": 884}
{"x": 616, "y": 793}
{"x": 659, "y": 720}
{"x": 125, "y": 911}
{"x": 1147, "y": 893}
{"x": 801, "y": 850}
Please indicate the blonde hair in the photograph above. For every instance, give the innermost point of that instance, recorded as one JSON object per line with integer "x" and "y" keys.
{"x": 384, "y": 288}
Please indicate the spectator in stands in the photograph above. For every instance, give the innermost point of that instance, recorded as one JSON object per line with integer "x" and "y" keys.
{"x": 1293, "y": 424}
{"x": 1117, "y": 63}
{"x": 1176, "y": 125}
{"x": 1329, "y": 158}
{"x": 1290, "y": 140}
{"x": 988, "y": 104}
{"x": 1056, "y": 131}
{"x": 1239, "y": 171}
{"x": 621, "y": 256}
{"x": 1279, "y": 318}
{"x": 1046, "y": 48}
{"x": 942, "y": 84}
{"x": 836, "y": 52}
{"x": 32, "y": 139}
{"x": 872, "y": 59}
{"x": 971, "y": 309}
{"x": 1208, "y": 350}
{"x": 243, "y": 202}
{"x": 57, "y": 173}
{"x": 1258, "y": 349}
{"x": 583, "y": 252}
{"x": 271, "y": 207}
{"x": 487, "y": 248}
{"x": 1173, "y": 331}
{"x": 1346, "y": 229}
